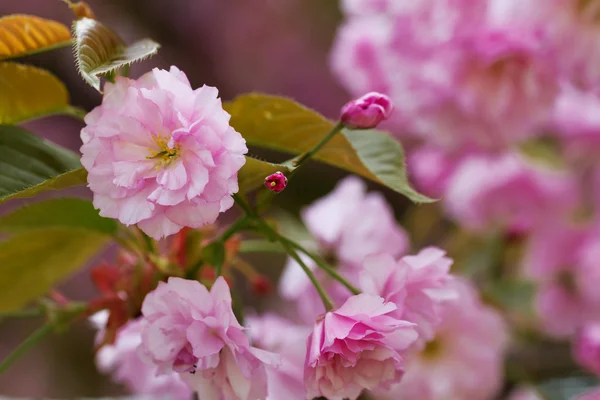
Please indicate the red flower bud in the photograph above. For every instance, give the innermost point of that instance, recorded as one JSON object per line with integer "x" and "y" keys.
{"x": 276, "y": 182}
{"x": 367, "y": 111}
{"x": 261, "y": 285}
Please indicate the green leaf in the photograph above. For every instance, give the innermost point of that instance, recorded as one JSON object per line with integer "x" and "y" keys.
{"x": 281, "y": 124}
{"x": 567, "y": 388}
{"x": 253, "y": 173}
{"x": 99, "y": 50}
{"x": 29, "y": 92}
{"x": 57, "y": 213}
{"x": 30, "y": 165}
{"x": 34, "y": 261}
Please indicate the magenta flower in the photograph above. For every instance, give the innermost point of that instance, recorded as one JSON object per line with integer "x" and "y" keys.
{"x": 417, "y": 285}
{"x": 276, "y": 182}
{"x": 273, "y": 333}
{"x": 358, "y": 346}
{"x": 586, "y": 348}
{"x": 348, "y": 224}
{"x": 464, "y": 360}
{"x": 160, "y": 154}
{"x": 194, "y": 332}
{"x": 367, "y": 111}
{"x": 122, "y": 360}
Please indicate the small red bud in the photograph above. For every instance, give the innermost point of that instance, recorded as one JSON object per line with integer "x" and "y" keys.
{"x": 367, "y": 111}
{"x": 261, "y": 285}
{"x": 276, "y": 182}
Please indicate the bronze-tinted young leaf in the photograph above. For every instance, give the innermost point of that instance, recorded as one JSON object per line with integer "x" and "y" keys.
{"x": 100, "y": 50}
{"x": 21, "y": 35}
{"x": 30, "y": 165}
{"x": 28, "y": 92}
{"x": 281, "y": 124}
{"x": 253, "y": 173}
{"x": 34, "y": 261}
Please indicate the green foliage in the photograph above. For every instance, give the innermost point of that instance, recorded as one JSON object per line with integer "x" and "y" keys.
{"x": 99, "y": 50}
{"x": 21, "y": 35}
{"x": 30, "y": 165}
{"x": 253, "y": 173}
{"x": 57, "y": 213}
{"x": 29, "y": 92}
{"x": 34, "y": 261}
{"x": 281, "y": 124}
{"x": 567, "y": 388}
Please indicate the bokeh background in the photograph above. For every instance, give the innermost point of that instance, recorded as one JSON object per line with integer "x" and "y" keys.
{"x": 275, "y": 46}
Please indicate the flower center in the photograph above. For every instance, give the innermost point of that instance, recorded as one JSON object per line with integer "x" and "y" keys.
{"x": 166, "y": 154}
{"x": 432, "y": 349}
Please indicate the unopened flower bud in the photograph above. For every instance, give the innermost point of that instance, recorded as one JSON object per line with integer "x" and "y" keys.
{"x": 367, "y": 111}
{"x": 261, "y": 285}
{"x": 276, "y": 182}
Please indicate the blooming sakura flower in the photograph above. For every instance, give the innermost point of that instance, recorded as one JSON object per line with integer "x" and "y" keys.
{"x": 431, "y": 168}
{"x": 367, "y": 111}
{"x": 505, "y": 190}
{"x": 358, "y": 346}
{"x": 458, "y": 72}
{"x": 348, "y": 224}
{"x": 562, "y": 260}
{"x": 160, "y": 154}
{"x": 276, "y": 182}
{"x": 273, "y": 333}
{"x": 577, "y": 120}
{"x": 417, "y": 285}
{"x": 194, "y": 332}
{"x": 464, "y": 360}
{"x": 586, "y": 348}
{"x": 122, "y": 360}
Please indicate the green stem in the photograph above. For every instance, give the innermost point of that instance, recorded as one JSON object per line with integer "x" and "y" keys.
{"x": 260, "y": 246}
{"x": 325, "y": 267}
{"x": 22, "y": 348}
{"x": 303, "y": 157}
{"x": 237, "y": 225}
{"x": 31, "y": 313}
{"x": 327, "y": 302}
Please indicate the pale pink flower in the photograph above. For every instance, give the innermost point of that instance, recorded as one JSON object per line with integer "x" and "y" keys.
{"x": 358, "y": 346}
{"x": 464, "y": 360}
{"x": 123, "y": 362}
{"x": 273, "y": 333}
{"x": 563, "y": 261}
{"x": 418, "y": 285}
{"x": 431, "y": 167}
{"x": 160, "y": 154}
{"x": 457, "y": 71}
{"x": 577, "y": 120}
{"x": 194, "y": 332}
{"x": 507, "y": 191}
{"x": 586, "y": 348}
{"x": 348, "y": 224}
{"x": 367, "y": 111}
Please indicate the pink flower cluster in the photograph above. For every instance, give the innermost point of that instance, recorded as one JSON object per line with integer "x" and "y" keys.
{"x": 160, "y": 154}
{"x": 500, "y": 100}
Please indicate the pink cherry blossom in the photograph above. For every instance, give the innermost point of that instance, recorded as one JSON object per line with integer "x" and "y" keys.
{"x": 577, "y": 120}
{"x": 562, "y": 259}
{"x": 464, "y": 360}
{"x": 160, "y": 154}
{"x": 367, "y": 111}
{"x": 276, "y": 182}
{"x": 593, "y": 395}
{"x": 431, "y": 167}
{"x": 507, "y": 191}
{"x": 194, "y": 332}
{"x": 121, "y": 359}
{"x": 417, "y": 285}
{"x": 458, "y": 71}
{"x": 586, "y": 347}
{"x": 273, "y": 333}
{"x": 348, "y": 224}
{"x": 358, "y": 346}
